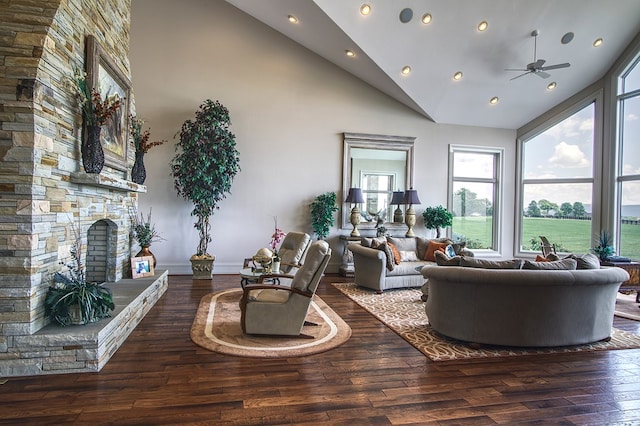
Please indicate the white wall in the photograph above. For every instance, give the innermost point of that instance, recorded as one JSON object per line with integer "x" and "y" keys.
{"x": 288, "y": 110}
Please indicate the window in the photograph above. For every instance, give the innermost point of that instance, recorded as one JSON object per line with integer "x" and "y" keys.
{"x": 377, "y": 189}
{"x": 556, "y": 183}
{"x": 628, "y": 175}
{"x": 475, "y": 186}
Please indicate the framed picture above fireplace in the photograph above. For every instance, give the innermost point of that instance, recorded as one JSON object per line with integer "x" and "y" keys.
{"x": 105, "y": 76}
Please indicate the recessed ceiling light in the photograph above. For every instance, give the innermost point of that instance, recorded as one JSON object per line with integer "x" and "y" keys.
{"x": 349, "y": 53}
{"x": 551, "y": 85}
{"x": 426, "y": 18}
{"x": 483, "y": 26}
{"x": 292, "y": 19}
{"x": 598, "y": 42}
{"x": 365, "y": 9}
{"x": 406, "y": 70}
{"x": 494, "y": 100}
{"x": 566, "y": 39}
{"x": 458, "y": 75}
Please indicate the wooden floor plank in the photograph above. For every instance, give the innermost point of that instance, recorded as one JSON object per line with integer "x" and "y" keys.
{"x": 160, "y": 377}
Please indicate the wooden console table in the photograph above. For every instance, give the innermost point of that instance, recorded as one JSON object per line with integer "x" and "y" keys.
{"x": 633, "y": 283}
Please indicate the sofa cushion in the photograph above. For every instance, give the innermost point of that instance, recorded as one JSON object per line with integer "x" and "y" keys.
{"x": 408, "y": 268}
{"x": 586, "y": 261}
{"x": 443, "y": 260}
{"x": 433, "y": 246}
{"x": 372, "y": 242}
{"x": 404, "y": 244}
{"x": 564, "y": 264}
{"x": 459, "y": 246}
{"x": 422, "y": 244}
{"x": 472, "y": 262}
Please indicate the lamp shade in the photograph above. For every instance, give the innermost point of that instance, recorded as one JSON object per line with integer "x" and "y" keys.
{"x": 355, "y": 196}
{"x": 398, "y": 197}
{"x": 411, "y": 197}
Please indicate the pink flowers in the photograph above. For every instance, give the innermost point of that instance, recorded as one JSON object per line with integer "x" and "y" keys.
{"x": 276, "y": 238}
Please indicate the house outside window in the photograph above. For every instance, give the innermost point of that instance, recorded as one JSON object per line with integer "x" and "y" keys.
{"x": 556, "y": 173}
{"x": 475, "y": 188}
{"x": 628, "y": 168}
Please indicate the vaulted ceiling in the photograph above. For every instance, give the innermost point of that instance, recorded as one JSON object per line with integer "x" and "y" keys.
{"x": 393, "y": 36}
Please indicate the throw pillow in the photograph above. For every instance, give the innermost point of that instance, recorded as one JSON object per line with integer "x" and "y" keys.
{"x": 389, "y": 254}
{"x": 472, "y": 262}
{"x": 541, "y": 259}
{"x": 556, "y": 265}
{"x": 586, "y": 261}
{"x": 433, "y": 246}
{"x": 443, "y": 260}
{"x": 408, "y": 256}
{"x": 459, "y": 246}
{"x": 396, "y": 253}
{"x": 450, "y": 251}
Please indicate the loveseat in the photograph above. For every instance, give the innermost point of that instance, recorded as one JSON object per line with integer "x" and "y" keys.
{"x": 376, "y": 269}
{"x": 518, "y": 307}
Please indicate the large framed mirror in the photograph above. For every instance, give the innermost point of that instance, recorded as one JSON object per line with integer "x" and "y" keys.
{"x": 379, "y": 165}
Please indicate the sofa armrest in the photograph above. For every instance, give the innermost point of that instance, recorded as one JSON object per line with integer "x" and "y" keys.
{"x": 370, "y": 267}
{"x": 466, "y": 252}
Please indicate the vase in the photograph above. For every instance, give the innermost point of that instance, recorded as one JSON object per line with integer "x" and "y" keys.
{"x": 138, "y": 172}
{"x": 146, "y": 252}
{"x": 92, "y": 153}
{"x": 275, "y": 266}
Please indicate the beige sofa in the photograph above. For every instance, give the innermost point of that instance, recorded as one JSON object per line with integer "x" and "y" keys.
{"x": 370, "y": 264}
{"x": 517, "y": 307}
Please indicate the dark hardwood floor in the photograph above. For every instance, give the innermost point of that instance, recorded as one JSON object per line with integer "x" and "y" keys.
{"x": 160, "y": 377}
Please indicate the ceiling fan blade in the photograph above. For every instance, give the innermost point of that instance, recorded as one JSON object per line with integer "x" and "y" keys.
{"x": 539, "y": 63}
{"x": 518, "y": 76}
{"x": 542, "y": 74}
{"x": 557, "y": 66}
{"x": 516, "y": 69}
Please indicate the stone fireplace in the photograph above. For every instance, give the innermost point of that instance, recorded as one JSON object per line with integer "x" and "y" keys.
{"x": 44, "y": 192}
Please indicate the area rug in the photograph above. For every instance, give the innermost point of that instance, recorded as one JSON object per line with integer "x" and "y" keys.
{"x": 403, "y": 312}
{"x": 217, "y": 328}
{"x": 627, "y": 307}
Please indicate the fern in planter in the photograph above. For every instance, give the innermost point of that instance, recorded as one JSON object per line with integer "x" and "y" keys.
{"x": 73, "y": 300}
{"x": 323, "y": 209}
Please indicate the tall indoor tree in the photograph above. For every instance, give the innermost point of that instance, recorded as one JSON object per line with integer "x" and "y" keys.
{"x": 203, "y": 169}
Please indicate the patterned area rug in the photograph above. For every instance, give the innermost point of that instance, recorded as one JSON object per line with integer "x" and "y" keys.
{"x": 402, "y": 311}
{"x": 217, "y": 328}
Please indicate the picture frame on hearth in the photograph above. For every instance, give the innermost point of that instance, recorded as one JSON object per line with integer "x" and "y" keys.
{"x": 107, "y": 78}
{"x": 142, "y": 267}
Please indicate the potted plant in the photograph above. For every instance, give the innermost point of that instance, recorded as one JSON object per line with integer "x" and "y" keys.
{"x": 73, "y": 300}
{"x": 322, "y": 210}
{"x": 436, "y": 218}
{"x": 604, "y": 249}
{"x": 144, "y": 232}
{"x": 203, "y": 169}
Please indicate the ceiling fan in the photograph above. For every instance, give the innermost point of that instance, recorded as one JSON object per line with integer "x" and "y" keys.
{"x": 537, "y": 66}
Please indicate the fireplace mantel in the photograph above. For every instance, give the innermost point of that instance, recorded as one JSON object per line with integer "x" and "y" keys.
{"x": 105, "y": 181}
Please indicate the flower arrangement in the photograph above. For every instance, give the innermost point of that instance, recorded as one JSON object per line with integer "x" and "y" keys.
{"x": 142, "y": 229}
{"x": 140, "y": 138}
{"x": 276, "y": 238}
{"x": 73, "y": 300}
{"x": 95, "y": 110}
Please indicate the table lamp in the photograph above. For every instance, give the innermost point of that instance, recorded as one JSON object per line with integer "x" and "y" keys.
{"x": 355, "y": 197}
{"x": 397, "y": 198}
{"x": 410, "y": 198}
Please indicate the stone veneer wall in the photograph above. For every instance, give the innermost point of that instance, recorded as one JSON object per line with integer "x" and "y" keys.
{"x": 40, "y": 44}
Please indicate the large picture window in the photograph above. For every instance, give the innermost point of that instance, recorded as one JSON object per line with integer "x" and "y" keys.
{"x": 557, "y": 178}
{"x": 475, "y": 182}
{"x": 628, "y": 176}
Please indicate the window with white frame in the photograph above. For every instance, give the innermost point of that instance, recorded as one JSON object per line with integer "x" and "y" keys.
{"x": 556, "y": 182}
{"x": 475, "y": 175}
{"x": 628, "y": 170}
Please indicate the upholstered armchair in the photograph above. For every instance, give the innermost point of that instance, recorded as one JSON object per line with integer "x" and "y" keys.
{"x": 279, "y": 310}
{"x": 292, "y": 251}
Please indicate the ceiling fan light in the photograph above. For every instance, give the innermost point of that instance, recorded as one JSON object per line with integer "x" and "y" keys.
{"x": 494, "y": 100}
{"x": 365, "y": 9}
{"x": 426, "y": 18}
{"x": 482, "y": 26}
{"x": 406, "y": 70}
{"x": 598, "y": 42}
{"x": 292, "y": 19}
{"x": 457, "y": 75}
{"x": 551, "y": 85}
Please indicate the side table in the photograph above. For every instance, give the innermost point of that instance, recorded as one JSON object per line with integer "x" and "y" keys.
{"x": 346, "y": 268}
{"x": 633, "y": 283}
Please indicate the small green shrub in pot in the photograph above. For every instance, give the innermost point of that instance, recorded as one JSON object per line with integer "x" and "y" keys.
{"x": 323, "y": 209}
{"x": 436, "y": 218}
